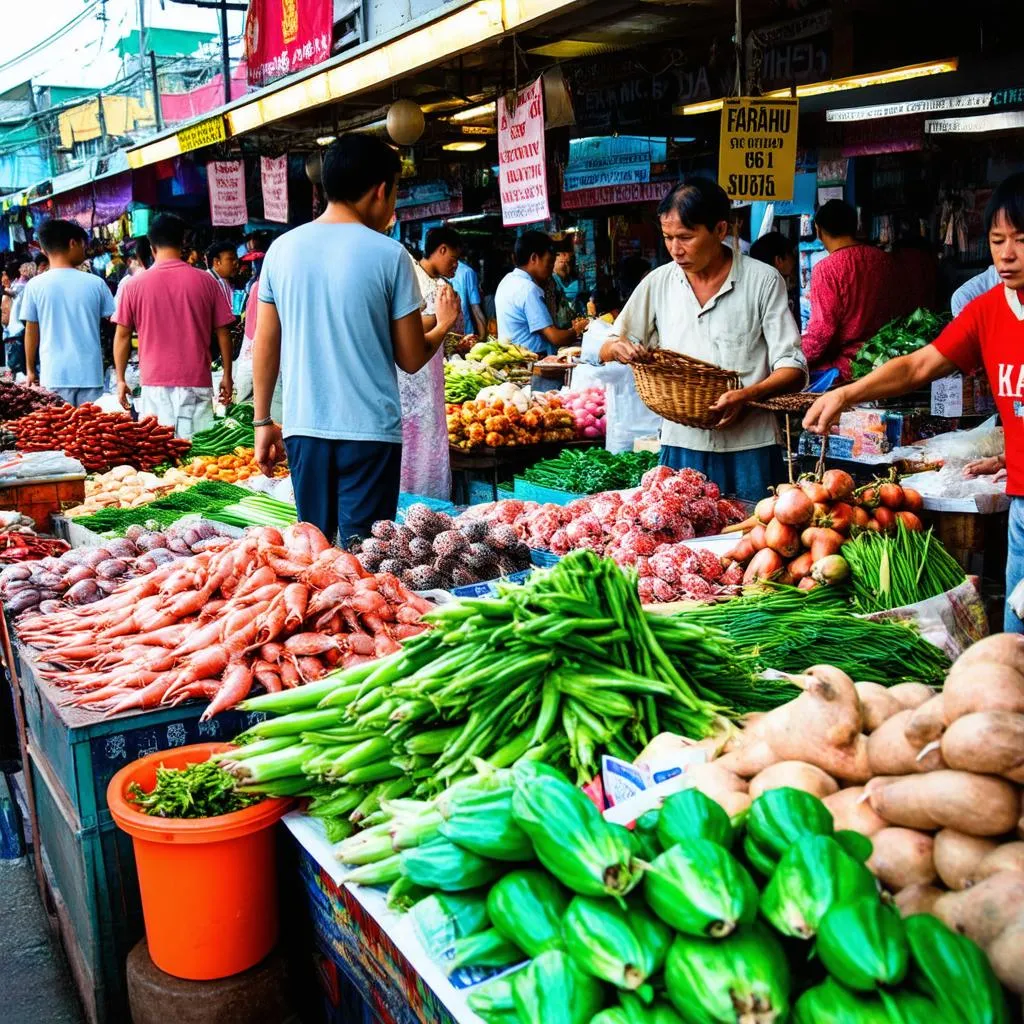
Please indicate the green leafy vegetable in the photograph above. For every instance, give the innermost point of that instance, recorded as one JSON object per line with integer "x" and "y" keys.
{"x": 898, "y": 338}
{"x": 201, "y": 790}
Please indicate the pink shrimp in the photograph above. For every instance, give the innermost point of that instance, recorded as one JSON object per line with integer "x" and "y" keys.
{"x": 296, "y": 540}
{"x": 296, "y": 599}
{"x": 371, "y": 603}
{"x": 183, "y": 579}
{"x": 310, "y": 668}
{"x": 266, "y": 593}
{"x": 100, "y": 696}
{"x": 329, "y": 597}
{"x": 309, "y": 643}
{"x": 234, "y": 686}
{"x": 351, "y": 660}
{"x": 169, "y": 636}
{"x": 365, "y": 584}
{"x": 81, "y": 652}
{"x": 271, "y": 652}
{"x": 408, "y": 614}
{"x": 211, "y": 610}
{"x": 199, "y": 638}
{"x": 348, "y": 565}
{"x": 286, "y": 567}
{"x": 238, "y": 619}
{"x": 318, "y": 543}
{"x": 384, "y": 645}
{"x": 321, "y": 576}
{"x": 267, "y": 534}
{"x": 360, "y": 643}
{"x": 266, "y": 675}
{"x": 241, "y": 640}
{"x": 262, "y": 577}
{"x": 405, "y": 630}
{"x": 270, "y": 624}
{"x": 190, "y": 603}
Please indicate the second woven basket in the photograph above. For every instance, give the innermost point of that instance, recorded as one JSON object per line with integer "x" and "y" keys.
{"x": 680, "y": 388}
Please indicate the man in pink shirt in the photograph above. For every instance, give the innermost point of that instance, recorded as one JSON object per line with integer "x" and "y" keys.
{"x": 174, "y": 309}
{"x": 851, "y": 291}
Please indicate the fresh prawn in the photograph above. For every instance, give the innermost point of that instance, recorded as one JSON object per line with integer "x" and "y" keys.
{"x": 271, "y": 623}
{"x": 290, "y": 677}
{"x": 262, "y": 577}
{"x": 271, "y": 652}
{"x": 202, "y": 665}
{"x": 296, "y": 599}
{"x": 360, "y": 643}
{"x": 286, "y": 567}
{"x": 310, "y": 668}
{"x": 234, "y": 686}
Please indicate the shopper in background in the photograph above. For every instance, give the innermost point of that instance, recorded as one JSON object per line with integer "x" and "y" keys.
{"x": 853, "y": 291}
{"x": 566, "y": 288}
{"x": 14, "y": 336}
{"x": 467, "y": 287}
{"x": 988, "y": 334}
{"x": 137, "y": 263}
{"x": 223, "y": 264}
{"x": 42, "y": 262}
{"x": 339, "y": 308}
{"x": 62, "y": 310}
{"x": 972, "y": 288}
{"x": 174, "y": 309}
{"x": 779, "y": 252}
{"x": 729, "y": 310}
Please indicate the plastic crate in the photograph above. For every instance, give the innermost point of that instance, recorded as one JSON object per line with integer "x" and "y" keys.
{"x": 93, "y": 885}
{"x": 85, "y": 750}
{"x": 526, "y": 491}
{"x": 543, "y": 559}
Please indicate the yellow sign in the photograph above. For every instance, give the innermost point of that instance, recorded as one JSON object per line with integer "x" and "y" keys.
{"x": 757, "y": 153}
{"x": 205, "y": 133}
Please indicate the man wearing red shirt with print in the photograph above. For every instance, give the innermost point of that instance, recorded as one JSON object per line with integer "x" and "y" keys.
{"x": 989, "y": 333}
{"x": 174, "y": 308}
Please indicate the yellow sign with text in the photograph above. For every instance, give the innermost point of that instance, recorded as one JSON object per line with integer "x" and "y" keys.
{"x": 205, "y": 133}
{"x": 757, "y": 153}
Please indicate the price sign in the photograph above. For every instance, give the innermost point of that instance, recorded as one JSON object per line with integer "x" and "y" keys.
{"x": 948, "y": 396}
{"x": 757, "y": 152}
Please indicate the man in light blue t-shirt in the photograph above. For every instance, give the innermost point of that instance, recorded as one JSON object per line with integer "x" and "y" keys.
{"x": 62, "y": 310}
{"x": 339, "y": 309}
{"x": 973, "y": 287}
{"x": 467, "y": 287}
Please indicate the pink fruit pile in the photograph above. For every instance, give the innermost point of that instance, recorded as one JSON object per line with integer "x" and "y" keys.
{"x": 668, "y": 507}
{"x": 587, "y": 408}
{"x": 676, "y": 572}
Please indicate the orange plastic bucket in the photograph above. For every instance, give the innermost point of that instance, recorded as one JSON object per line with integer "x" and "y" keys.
{"x": 208, "y": 885}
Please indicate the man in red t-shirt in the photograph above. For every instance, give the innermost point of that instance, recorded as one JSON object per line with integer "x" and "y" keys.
{"x": 174, "y": 309}
{"x": 988, "y": 333}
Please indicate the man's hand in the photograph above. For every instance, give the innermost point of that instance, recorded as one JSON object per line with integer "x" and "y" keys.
{"x": 447, "y": 305}
{"x": 269, "y": 448}
{"x": 616, "y": 350}
{"x": 33, "y": 380}
{"x": 579, "y": 325}
{"x": 122, "y": 394}
{"x": 226, "y": 389}
{"x": 728, "y": 407}
{"x": 825, "y": 411}
{"x": 985, "y": 467}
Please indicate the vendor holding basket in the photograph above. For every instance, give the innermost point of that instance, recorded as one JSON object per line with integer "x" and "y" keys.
{"x": 718, "y": 306}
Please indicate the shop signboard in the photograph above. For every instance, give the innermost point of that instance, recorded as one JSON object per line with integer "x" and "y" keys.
{"x": 600, "y": 161}
{"x": 522, "y": 162}
{"x": 932, "y": 104}
{"x": 283, "y": 36}
{"x": 645, "y": 192}
{"x": 793, "y": 51}
{"x": 982, "y": 123}
{"x": 227, "y": 193}
{"x": 274, "y": 184}
{"x": 203, "y": 133}
{"x": 757, "y": 153}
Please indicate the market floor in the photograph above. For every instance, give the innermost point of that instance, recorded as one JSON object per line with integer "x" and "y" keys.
{"x": 34, "y": 975}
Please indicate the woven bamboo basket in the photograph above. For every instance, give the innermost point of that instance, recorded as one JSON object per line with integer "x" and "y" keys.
{"x": 799, "y": 401}
{"x": 680, "y": 388}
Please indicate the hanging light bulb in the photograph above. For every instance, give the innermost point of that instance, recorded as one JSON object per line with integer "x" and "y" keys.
{"x": 405, "y": 122}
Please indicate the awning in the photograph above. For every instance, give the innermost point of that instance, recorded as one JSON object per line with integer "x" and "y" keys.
{"x": 421, "y": 44}
{"x": 94, "y": 169}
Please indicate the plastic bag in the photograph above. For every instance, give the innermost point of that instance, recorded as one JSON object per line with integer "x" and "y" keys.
{"x": 425, "y": 466}
{"x": 16, "y": 465}
{"x": 951, "y": 621}
{"x": 626, "y": 416}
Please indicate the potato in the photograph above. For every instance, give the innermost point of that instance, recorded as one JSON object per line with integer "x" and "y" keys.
{"x": 796, "y": 774}
{"x": 984, "y": 910}
{"x": 980, "y": 805}
{"x": 990, "y": 742}
{"x": 902, "y": 857}
{"x": 1005, "y": 857}
{"x": 749, "y": 759}
{"x": 957, "y": 856}
{"x": 917, "y": 899}
{"x": 982, "y": 687}
{"x": 997, "y": 649}
{"x": 911, "y": 695}
{"x": 927, "y": 722}
{"x": 1004, "y": 954}
{"x": 851, "y": 811}
{"x": 876, "y": 705}
{"x": 889, "y": 752}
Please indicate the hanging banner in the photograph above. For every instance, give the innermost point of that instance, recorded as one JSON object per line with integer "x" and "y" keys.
{"x": 522, "y": 168}
{"x": 757, "y": 153}
{"x": 274, "y": 182}
{"x": 226, "y": 180}
{"x": 282, "y": 36}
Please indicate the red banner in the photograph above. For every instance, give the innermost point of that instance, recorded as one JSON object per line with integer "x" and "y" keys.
{"x": 282, "y": 36}
{"x": 610, "y": 195}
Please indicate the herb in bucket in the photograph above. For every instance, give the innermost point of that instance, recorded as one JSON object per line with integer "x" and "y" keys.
{"x": 201, "y": 790}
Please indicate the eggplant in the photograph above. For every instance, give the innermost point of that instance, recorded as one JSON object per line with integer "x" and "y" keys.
{"x": 23, "y": 600}
{"x": 112, "y": 569}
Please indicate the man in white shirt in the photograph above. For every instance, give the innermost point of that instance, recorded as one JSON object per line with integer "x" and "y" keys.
{"x": 973, "y": 287}
{"x": 726, "y": 309}
{"x": 62, "y": 310}
{"x": 223, "y": 264}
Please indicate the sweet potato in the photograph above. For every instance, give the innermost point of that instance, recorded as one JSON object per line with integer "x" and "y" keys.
{"x": 1004, "y": 954}
{"x": 911, "y": 695}
{"x": 748, "y": 760}
{"x": 889, "y": 753}
{"x": 984, "y": 910}
{"x": 821, "y": 726}
{"x": 982, "y": 687}
{"x": 997, "y": 649}
{"x": 980, "y": 805}
{"x": 715, "y": 781}
{"x": 851, "y": 811}
{"x": 876, "y": 705}
{"x": 902, "y": 857}
{"x": 957, "y": 856}
{"x": 916, "y": 899}
{"x": 734, "y": 803}
{"x": 990, "y": 742}
{"x": 927, "y": 722}
{"x": 796, "y": 774}
{"x": 1005, "y": 857}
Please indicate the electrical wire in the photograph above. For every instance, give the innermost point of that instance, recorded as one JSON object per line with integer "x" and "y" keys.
{"x": 52, "y": 38}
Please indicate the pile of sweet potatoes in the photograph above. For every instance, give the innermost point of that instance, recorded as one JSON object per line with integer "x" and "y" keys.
{"x": 934, "y": 779}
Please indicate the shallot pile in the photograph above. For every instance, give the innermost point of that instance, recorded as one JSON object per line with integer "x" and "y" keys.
{"x": 277, "y": 609}
{"x": 86, "y": 575}
{"x": 19, "y": 399}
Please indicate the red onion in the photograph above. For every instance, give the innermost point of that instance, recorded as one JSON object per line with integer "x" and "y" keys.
{"x": 112, "y": 569}
{"x": 83, "y": 593}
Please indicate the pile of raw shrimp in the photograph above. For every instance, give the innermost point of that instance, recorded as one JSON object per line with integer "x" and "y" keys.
{"x": 271, "y": 608}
